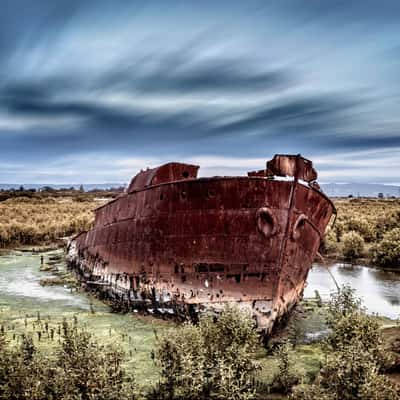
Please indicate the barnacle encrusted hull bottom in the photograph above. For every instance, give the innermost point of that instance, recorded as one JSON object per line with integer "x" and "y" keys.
{"x": 177, "y": 244}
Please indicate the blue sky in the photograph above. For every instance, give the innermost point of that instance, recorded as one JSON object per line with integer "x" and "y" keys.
{"x": 92, "y": 91}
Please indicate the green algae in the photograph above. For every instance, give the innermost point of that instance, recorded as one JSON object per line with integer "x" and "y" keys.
{"x": 26, "y": 306}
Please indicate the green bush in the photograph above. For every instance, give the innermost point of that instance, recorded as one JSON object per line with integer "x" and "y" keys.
{"x": 387, "y": 252}
{"x": 370, "y": 218}
{"x": 211, "y": 359}
{"x": 330, "y": 244}
{"x": 349, "y": 372}
{"x": 285, "y": 378}
{"x": 353, "y": 245}
{"x": 355, "y": 358}
{"x": 364, "y": 227}
{"x": 351, "y": 324}
{"x": 80, "y": 369}
{"x": 311, "y": 392}
{"x": 90, "y": 371}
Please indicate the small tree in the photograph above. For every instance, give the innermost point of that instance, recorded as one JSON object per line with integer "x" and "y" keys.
{"x": 329, "y": 244}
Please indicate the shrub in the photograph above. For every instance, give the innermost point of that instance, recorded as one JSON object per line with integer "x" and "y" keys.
{"x": 370, "y": 218}
{"x": 285, "y": 378}
{"x": 79, "y": 369}
{"x": 212, "y": 359}
{"x": 311, "y": 392}
{"x": 330, "y": 244}
{"x": 349, "y": 370}
{"x": 27, "y": 374}
{"x": 364, "y": 227}
{"x": 338, "y": 230}
{"x": 89, "y": 370}
{"x": 377, "y": 387}
{"x": 353, "y": 245}
{"x": 342, "y": 303}
{"x": 356, "y": 358}
{"x": 387, "y": 252}
{"x": 350, "y": 324}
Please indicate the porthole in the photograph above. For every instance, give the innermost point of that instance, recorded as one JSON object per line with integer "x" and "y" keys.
{"x": 298, "y": 226}
{"x": 266, "y": 222}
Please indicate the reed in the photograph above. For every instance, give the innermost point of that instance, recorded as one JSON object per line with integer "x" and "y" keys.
{"x": 33, "y": 221}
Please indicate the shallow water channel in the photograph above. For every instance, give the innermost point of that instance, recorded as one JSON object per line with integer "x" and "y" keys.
{"x": 379, "y": 290}
{"x": 22, "y": 297}
{"x": 20, "y": 286}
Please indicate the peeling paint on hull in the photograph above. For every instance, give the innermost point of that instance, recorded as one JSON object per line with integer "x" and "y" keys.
{"x": 176, "y": 244}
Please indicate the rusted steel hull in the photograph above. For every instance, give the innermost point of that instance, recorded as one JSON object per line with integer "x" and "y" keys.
{"x": 197, "y": 244}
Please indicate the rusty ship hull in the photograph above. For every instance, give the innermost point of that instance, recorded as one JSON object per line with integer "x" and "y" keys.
{"x": 175, "y": 243}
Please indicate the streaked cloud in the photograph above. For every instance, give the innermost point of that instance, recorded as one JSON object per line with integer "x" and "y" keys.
{"x": 88, "y": 86}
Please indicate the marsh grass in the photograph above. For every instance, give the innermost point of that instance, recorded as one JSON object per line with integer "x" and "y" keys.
{"x": 33, "y": 221}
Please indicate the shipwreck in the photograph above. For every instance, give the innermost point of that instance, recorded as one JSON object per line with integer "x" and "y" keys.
{"x": 176, "y": 244}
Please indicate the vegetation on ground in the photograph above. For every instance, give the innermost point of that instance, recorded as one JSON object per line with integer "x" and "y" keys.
{"x": 205, "y": 360}
{"x": 220, "y": 359}
{"x": 26, "y": 221}
{"x": 353, "y": 245}
{"x": 286, "y": 376}
{"x": 80, "y": 368}
{"x": 213, "y": 359}
{"x": 30, "y": 217}
{"x": 386, "y": 253}
{"x": 366, "y": 230}
{"x": 355, "y": 356}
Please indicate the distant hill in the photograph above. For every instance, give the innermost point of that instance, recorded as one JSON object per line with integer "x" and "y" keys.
{"x": 86, "y": 186}
{"x": 360, "y": 189}
{"x": 331, "y": 189}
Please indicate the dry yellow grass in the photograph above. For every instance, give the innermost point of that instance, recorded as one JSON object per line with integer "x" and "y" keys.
{"x": 29, "y": 221}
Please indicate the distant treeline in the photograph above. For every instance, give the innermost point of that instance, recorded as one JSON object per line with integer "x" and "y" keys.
{"x": 48, "y": 191}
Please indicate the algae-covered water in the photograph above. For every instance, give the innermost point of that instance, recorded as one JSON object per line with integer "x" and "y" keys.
{"x": 23, "y": 301}
{"x": 26, "y": 305}
{"x": 20, "y": 286}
